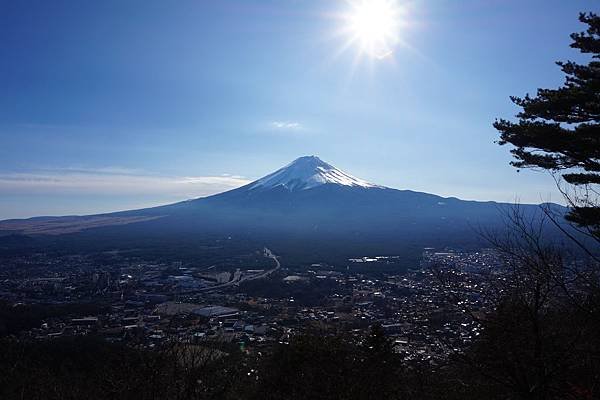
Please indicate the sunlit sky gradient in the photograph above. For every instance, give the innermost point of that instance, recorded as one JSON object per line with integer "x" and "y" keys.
{"x": 111, "y": 105}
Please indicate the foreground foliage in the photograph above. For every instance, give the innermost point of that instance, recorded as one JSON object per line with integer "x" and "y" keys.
{"x": 558, "y": 130}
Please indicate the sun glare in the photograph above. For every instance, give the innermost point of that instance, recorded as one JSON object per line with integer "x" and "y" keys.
{"x": 374, "y": 25}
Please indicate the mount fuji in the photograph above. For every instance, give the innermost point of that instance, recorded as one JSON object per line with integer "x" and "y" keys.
{"x": 308, "y": 206}
{"x": 306, "y": 173}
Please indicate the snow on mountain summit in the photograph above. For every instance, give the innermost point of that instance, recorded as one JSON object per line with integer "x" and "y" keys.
{"x": 306, "y": 173}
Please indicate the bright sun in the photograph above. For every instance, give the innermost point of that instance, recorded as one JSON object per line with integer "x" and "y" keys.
{"x": 374, "y": 25}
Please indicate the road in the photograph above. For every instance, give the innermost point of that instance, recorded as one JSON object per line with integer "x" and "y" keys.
{"x": 239, "y": 279}
{"x": 268, "y": 254}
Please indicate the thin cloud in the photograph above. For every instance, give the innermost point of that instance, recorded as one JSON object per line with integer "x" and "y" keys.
{"x": 114, "y": 181}
{"x": 286, "y": 125}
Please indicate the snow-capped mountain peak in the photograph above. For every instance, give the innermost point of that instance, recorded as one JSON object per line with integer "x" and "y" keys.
{"x": 306, "y": 173}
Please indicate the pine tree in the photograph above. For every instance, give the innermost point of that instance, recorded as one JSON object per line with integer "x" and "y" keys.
{"x": 558, "y": 130}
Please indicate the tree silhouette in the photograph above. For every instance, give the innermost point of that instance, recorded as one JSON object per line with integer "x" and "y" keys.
{"x": 559, "y": 130}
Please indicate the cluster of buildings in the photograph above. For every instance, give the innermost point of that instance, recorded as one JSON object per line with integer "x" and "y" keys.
{"x": 148, "y": 303}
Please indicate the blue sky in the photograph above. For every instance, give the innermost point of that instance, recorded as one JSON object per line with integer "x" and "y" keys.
{"x": 112, "y": 105}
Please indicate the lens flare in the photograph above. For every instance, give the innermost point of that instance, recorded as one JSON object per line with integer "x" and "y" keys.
{"x": 374, "y": 25}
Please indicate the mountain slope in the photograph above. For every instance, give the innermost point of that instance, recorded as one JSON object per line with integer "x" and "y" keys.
{"x": 308, "y": 205}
